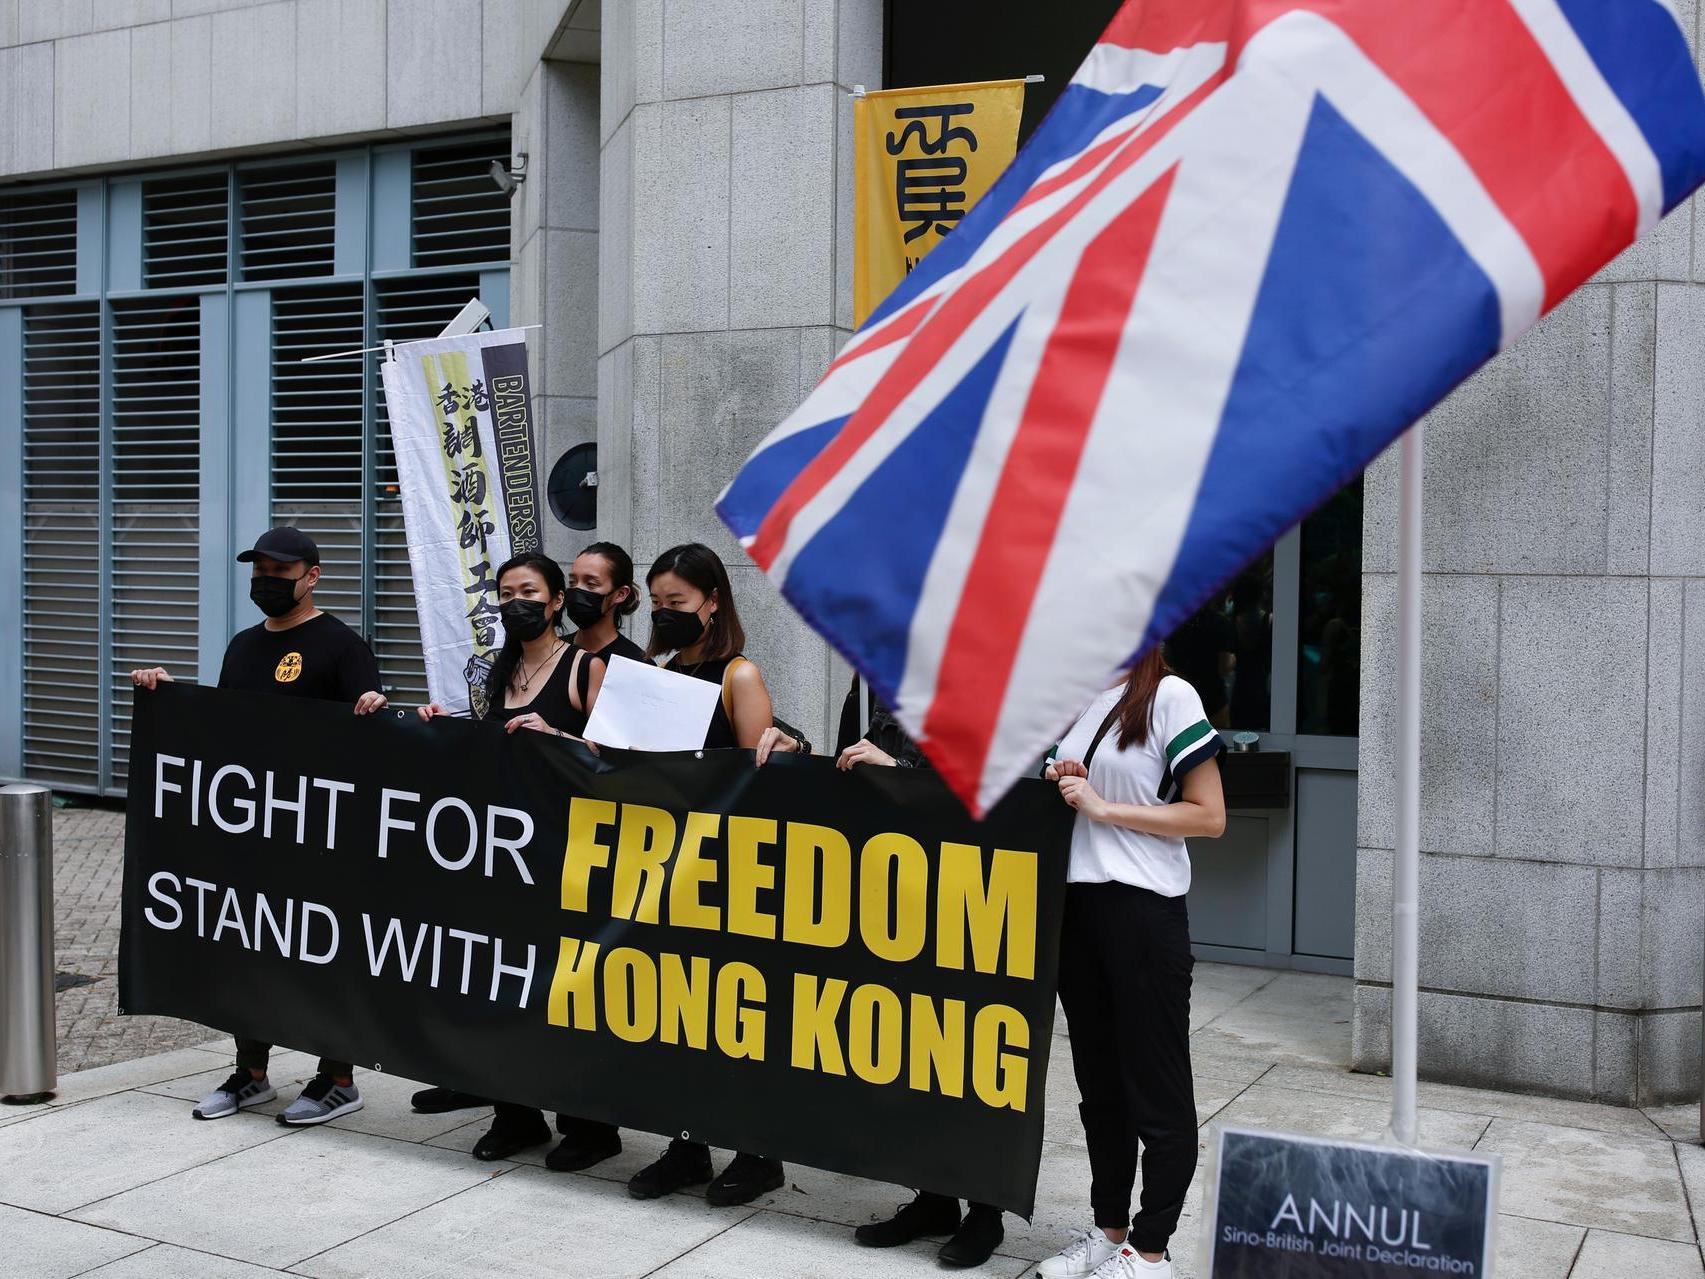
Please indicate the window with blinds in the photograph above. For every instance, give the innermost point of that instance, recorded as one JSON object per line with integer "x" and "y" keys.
{"x": 186, "y": 230}
{"x": 38, "y": 244}
{"x": 156, "y": 497}
{"x": 459, "y": 216}
{"x": 62, "y": 545}
{"x": 113, "y": 415}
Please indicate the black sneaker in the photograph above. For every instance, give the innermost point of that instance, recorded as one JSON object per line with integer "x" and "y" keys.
{"x": 976, "y": 1240}
{"x": 684, "y": 1163}
{"x": 926, "y": 1215}
{"x": 745, "y": 1178}
{"x": 440, "y": 1101}
{"x": 583, "y": 1145}
{"x": 504, "y": 1139}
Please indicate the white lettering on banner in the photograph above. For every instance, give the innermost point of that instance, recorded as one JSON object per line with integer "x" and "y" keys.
{"x": 450, "y": 801}
{"x": 245, "y": 806}
{"x": 234, "y": 803}
{"x": 406, "y": 959}
{"x": 468, "y": 941}
{"x": 393, "y": 937}
{"x": 299, "y": 807}
{"x": 293, "y": 933}
{"x": 387, "y": 823}
{"x": 161, "y": 785}
{"x": 511, "y": 846}
{"x": 332, "y": 790}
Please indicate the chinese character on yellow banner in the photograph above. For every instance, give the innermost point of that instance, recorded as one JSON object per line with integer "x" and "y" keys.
{"x": 923, "y": 157}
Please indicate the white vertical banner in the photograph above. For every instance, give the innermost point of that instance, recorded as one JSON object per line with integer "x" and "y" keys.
{"x": 462, "y": 428}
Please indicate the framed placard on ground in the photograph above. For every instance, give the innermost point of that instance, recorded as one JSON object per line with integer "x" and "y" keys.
{"x": 1284, "y": 1206}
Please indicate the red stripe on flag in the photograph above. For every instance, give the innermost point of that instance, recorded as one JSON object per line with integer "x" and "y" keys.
{"x": 1161, "y": 26}
{"x": 899, "y": 325}
{"x": 946, "y": 324}
{"x": 1473, "y": 68}
{"x": 1035, "y": 482}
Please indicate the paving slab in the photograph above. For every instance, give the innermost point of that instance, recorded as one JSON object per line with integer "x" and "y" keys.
{"x": 768, "y": 1243}
{"x": 79, "y": 1154}
{"x": 1607, "y": 1255}
{"x": 1216, "y": 989}
{"x": 1680, "y": 1123}
{"x": 322, "y": 1188}
{"x": 1476, "y": 1101}
{"x": 1297, "y": 1018}
{"x": 1535, "y": 1249}
{"x": 166, "y": 1260}
{"x": 44, "y": 1247}
{"x": 526, "y": 1224}
{"x": 1593, "y": 1179}
{"x": 1319, "y": 1114}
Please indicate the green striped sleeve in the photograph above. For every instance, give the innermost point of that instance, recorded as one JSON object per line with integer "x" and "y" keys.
{"x": 1184, "y": 740}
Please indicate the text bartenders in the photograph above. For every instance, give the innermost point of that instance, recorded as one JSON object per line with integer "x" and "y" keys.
{"x": 957, "y": 905}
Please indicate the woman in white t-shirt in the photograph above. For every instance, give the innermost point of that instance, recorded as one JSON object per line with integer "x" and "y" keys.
{"x": 1140, "y": 768}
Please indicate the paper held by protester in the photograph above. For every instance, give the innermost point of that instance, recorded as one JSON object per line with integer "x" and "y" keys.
{"x": 1248, "y": 247}
{"x": 642, "y": 707}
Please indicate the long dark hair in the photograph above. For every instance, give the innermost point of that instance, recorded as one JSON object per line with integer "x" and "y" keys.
{"x": 621, "y": 573}
{"x": 1136, "y": 703}
{"x": 699, "y": 566}
{"x": 503, "y": 667}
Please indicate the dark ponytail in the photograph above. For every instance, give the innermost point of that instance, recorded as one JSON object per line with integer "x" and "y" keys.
{"x": 503, "y": 666}
{"x": 621, "y": 573}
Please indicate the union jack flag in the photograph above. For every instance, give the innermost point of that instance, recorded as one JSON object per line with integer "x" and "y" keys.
{"x": 1253, "y": 241}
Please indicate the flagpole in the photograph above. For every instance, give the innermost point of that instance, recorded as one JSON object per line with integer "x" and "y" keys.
{"x": 1406, "y": 866}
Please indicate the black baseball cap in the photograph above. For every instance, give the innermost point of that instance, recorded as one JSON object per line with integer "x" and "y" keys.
{"x": 285, "y": 544}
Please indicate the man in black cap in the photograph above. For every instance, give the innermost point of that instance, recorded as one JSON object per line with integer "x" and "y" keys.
{"x": 301, "y": 652}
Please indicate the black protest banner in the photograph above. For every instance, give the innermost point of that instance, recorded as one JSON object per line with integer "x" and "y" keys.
{"x": 836, "y": 969}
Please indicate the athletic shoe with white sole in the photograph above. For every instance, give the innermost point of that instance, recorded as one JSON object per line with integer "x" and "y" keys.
{"x": 239, "y": 1092}
{"x": 1080, "y": 1258}
{"x": 1128, "y": 1263}
{"x": 321, "y": 1101}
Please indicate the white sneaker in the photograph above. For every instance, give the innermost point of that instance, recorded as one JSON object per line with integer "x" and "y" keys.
{"x": 239, "y": 1092}
{"x": 1080, "y": 1258}
{"x": 1128, "y": 1263}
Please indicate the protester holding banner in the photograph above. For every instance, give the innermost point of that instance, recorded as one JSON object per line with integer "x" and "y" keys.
{"x": 298, "y": 651}
{"x": 973, "y": 1239}
{"x": 696, "y": 631}
{"x": 1125, "y": 957}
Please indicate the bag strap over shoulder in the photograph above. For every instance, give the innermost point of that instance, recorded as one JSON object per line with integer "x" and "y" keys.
{"x": 1106, "y": 727}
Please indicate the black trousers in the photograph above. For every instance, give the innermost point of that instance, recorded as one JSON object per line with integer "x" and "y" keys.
{"x": 507, "y": 1115}
{"x": 252, "y": 1054}
{"x": 1125, "y": 986}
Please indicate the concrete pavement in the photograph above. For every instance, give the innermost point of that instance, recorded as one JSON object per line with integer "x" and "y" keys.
{"x": 115, "y": 1180}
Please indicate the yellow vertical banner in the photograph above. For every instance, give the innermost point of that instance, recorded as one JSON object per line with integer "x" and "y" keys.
{"x": 922, "y": 158}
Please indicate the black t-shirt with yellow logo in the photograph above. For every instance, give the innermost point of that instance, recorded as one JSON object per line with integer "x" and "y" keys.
{"x": 320, "y": 658}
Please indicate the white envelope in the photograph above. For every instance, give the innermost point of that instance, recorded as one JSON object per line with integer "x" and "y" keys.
{"x": 646, "y": 708}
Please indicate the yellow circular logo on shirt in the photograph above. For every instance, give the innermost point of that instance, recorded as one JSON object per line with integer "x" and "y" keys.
{"x": 289, "y": 667}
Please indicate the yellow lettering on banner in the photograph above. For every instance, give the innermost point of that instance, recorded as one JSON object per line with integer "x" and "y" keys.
{"x": 909, "y": 900}
{"x": 1005, "y": 904}
{"x": 643, "y": 844}
{"x": 586, "y": 817}
{"x": 999, "y": 1076}
{"x": 630, "y": 994}
{"x": 691, "y": 871}
{"x": 747, "y": 876}
{"x": 874, "y": 1034}
{"x": 684, "y": 1002}
{"x": 938, "y": 1046}
{"x": 814, "y": 1035}
{"x": 817, "y": 855}
{"x": 740, "y": 1026}
{"x": 576, "y": 968}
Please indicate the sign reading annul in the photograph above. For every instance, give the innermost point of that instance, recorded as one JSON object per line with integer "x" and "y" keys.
{"x": 1303, "y": 1208}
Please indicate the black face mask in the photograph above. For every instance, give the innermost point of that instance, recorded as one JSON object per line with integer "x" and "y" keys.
{"x": 585, "y": 608}
{"x": 524, "y": 619}
{"x": 274, "y": 596}
{"x": 677, "y": 627}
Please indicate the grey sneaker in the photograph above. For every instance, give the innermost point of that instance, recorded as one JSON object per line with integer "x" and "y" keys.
{"x": 239, "y": 1092}
{"x": 321, "y": 1101}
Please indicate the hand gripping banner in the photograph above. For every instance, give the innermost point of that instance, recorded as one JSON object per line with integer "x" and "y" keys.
{"x": 834, "y": 969}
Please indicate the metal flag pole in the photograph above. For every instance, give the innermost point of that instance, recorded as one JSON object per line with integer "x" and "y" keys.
{"x": 1406, "y": 865}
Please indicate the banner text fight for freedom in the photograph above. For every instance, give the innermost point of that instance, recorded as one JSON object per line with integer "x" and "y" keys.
{"x": 793, "y": 882}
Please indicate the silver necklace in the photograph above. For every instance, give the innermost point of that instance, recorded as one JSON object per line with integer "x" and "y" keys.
{"x": 526, "y": 679}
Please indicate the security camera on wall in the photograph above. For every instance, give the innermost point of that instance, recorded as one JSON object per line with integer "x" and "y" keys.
{"x": 509, "y": 179}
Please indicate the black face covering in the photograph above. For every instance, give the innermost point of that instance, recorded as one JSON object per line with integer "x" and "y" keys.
{"x": 585, "y": 608}
{"x": 274, "y": 596}
{"x": 677, "y": 627}
{"x": 524, "y": 619}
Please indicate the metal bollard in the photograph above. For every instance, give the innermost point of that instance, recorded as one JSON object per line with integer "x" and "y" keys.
{"x": 27, "y": 1036}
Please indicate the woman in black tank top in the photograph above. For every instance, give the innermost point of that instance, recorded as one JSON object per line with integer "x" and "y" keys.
{"x": 539, "y": 681}
{"x": 693, "y": 616}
